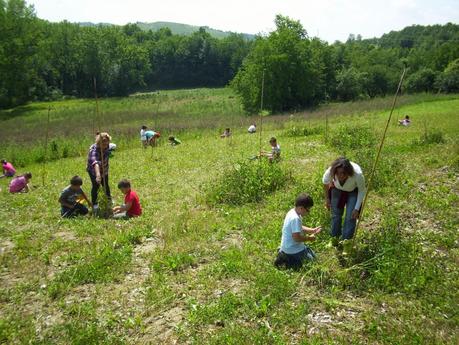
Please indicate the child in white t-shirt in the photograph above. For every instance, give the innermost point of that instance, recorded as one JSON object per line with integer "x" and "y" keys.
{"x": 275, "y": 150}
{"x": 293, "y": 252}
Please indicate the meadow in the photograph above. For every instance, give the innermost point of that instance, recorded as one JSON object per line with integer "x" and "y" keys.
{"x": 197, "y": 267}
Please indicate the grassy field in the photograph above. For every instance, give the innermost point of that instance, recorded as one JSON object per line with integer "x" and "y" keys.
{"x": 197, "y": 266}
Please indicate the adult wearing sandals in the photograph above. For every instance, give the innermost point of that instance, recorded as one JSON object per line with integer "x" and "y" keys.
{"x": 344, "y": 187}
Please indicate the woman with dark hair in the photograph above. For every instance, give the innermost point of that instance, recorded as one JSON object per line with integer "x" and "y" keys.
{"x": 344, "y": 187}
{"x": 98, "y": 159}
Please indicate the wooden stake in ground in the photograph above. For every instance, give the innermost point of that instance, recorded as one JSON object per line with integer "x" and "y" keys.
{"x": 102, "y": 171}
{"x": 45, "y": 158}
{"x": 261, "y": 109}
{"x": 378, "y": 154}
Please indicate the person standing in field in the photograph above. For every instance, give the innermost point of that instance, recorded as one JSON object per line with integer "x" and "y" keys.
{"x": 20, "y": 184}
{"x": 293, "y": 252}
{"x": 97, "y": 166}
{"x": 344, "y": 188}
{"x": 8, "y": 169}
{"x": 143, "y": 137}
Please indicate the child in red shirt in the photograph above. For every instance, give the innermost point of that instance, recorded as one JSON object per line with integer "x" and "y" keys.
{"x": 131, "y": 207}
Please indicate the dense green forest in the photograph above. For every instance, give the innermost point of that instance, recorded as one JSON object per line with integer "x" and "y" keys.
{"x": 40, "y": 60}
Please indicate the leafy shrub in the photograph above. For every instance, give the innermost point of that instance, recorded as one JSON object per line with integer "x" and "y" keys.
{"x": 347, "y": 137}
{"x": 302, "y": 131}
{"x": 393, "y": 261}
{"x": 247, "y": 182}
{"x": 448, "y": 81}
{"x": 421, "y": 81}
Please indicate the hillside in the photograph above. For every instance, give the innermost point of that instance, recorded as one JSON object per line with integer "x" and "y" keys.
{"x": 177, "y": 28}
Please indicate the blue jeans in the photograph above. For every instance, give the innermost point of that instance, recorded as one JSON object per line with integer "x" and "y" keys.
{"x": 296, "y": 260}
{"x": 337, "y": 228}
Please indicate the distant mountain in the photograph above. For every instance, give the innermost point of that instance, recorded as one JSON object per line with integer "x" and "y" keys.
{"x": 177, "y": 28}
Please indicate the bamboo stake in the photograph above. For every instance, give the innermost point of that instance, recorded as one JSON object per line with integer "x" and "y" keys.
{"x": 261, "y": 109}
{"x": 45, "y": 158}
{"x": 378, "y": 154}
{"x": 102, "y": 168}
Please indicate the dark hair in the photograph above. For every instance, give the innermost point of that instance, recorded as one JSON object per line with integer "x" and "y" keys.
{"x": 76, "y": 181}
{"x": 304, "y": 200}
{"x": 144, "y": 127}
{"x": 28, "y": 175}
{"x": 171, "y": 137}
{"x": 344, "y": 163}
{"x": 273, "y": 140}
{"x": 4, "y": 161}
{"x": 124, "y": 184}
{"x": 407, "y": 117}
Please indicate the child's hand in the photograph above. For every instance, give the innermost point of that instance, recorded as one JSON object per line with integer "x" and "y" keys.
{"x": 116, "y": 209}
{"x": 317, "y": 230}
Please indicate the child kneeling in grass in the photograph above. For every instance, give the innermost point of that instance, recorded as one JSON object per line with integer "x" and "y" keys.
{"x": 131, "y": 207}
{"x": 275, "y": 150}
{"x": 293, "y": 252}
{"x": 70, "y": 199}
{"x": 20, "y": 184}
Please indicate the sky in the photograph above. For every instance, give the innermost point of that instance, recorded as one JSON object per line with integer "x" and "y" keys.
{"x": 328, "y": 19}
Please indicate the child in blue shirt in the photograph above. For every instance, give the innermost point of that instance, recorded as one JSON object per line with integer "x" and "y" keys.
{"x": 293, "y": 252}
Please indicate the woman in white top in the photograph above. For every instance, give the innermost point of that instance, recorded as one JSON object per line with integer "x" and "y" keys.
{"x": 344, "y": 186}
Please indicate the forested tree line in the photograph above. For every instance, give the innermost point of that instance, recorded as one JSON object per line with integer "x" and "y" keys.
{"x": 40, "y": 60}
{"x": 300, "y": 71}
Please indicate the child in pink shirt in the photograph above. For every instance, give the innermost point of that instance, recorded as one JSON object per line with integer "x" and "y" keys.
{"x": 20, "y": 184}
{"x": 8, "y": 169}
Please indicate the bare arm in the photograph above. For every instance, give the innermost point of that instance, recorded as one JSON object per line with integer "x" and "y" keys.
{"x": 97, "y": 170}
{"x": 300, "y": 237}
{"x": 312, "y": 230}
{"x": 86, "y": 198}
{"x": 122, "y": 208}
{"x": 327, "y": 197}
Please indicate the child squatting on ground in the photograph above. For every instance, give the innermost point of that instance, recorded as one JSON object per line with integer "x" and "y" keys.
{"x": 293, "y": 252}
{"x": 70, "y": 199}
{"x": 20, "y": 184}
{"x": 226, "y": 133}
{"x": 131, "y": 207}
{"x": 275, "y": 150}
{"x": 8, "y": 169}
{"x": 174, "y": 141}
